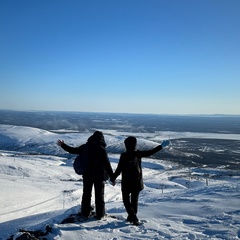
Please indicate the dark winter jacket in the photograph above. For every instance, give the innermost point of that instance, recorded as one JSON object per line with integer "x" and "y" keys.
{"x": 130, "y": 165}
{"x": 98, "y": 165}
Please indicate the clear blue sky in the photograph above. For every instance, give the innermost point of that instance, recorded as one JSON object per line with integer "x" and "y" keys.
{"x": 131, "y": 56}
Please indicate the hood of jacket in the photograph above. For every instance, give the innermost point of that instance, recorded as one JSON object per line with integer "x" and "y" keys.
{"x": 97, "y": 139}
{"x": 130, "y": 143}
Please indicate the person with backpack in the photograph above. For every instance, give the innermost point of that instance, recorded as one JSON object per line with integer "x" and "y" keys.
{"x": 132, "y": 180}
{"x": 98, "y": 170}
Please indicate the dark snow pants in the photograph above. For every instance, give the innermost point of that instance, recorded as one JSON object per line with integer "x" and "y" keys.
{"x": 130, "y": 201}
{"x": 99, "y": 186}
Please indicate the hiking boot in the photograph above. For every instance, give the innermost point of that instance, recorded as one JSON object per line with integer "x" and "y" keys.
{"x": 99, "y": 217}
{"x": 135, "y": 220}
{"x": 130, "y": 218}
{"x": 82, "y": 217}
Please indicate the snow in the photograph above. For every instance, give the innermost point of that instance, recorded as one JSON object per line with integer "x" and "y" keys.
{"x": 39, "y": 187}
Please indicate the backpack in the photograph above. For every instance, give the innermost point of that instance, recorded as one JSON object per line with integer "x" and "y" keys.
{"x": 80, "y": 162}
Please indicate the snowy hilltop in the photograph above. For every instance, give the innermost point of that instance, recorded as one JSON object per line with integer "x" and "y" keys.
{"x": 39, "y": 188}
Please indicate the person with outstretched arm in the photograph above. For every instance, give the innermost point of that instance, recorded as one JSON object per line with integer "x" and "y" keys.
{"x": 98, "y": 170}
{"x": 132, "y": 180}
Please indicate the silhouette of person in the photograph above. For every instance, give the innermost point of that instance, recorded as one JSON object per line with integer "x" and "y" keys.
{"x": 132, "y": 181}
{"x": 98, "y": 170}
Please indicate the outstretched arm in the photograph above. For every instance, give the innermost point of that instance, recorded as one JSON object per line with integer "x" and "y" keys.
{"x": 73, "y": 150}
{"x": 148, "y": 153}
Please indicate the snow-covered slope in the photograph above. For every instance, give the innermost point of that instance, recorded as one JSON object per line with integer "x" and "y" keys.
{"x": 39, "y": 187}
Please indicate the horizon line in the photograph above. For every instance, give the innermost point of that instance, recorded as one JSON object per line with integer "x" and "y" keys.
{"x": 127, "y": 113}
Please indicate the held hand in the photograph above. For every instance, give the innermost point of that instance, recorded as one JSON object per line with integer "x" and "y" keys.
{"x": 60, "y": 142}
{"x": 112, "y": 182}
{"x": 165, "y": 143}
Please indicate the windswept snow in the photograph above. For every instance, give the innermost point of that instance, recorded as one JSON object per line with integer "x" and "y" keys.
{"x": 39, "y": 187}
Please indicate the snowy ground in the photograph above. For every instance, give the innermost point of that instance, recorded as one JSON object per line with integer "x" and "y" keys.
{"x": 176, "y": 203}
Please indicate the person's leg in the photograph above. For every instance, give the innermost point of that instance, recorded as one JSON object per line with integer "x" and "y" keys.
{"x": 134, "y": 201}
{"x": 86, "y": 197}
{"x": 128, "y": 205}
{"x": 99, "y": 187}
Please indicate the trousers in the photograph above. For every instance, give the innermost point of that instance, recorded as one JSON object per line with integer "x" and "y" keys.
{"x": 130, "y": 201}
{"x": 99, "y": 187}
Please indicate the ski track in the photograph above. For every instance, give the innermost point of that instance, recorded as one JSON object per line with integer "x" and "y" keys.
{"x": 35, "y": 206}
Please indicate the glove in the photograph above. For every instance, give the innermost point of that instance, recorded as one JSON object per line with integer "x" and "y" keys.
{"x": 112, "y": 183}
{"x": 165, "y": 143}
{"x": 60, "y": 142}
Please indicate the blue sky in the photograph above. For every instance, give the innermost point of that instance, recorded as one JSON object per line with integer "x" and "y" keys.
{"x": 130, "y": 56}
